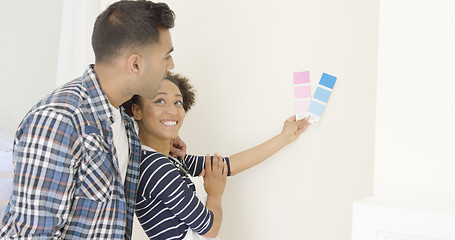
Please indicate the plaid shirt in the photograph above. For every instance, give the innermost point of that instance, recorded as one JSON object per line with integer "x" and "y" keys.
{"x": 67, "y": 183}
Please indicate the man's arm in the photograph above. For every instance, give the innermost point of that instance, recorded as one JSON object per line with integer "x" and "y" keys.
{"x": 44, "y": 154}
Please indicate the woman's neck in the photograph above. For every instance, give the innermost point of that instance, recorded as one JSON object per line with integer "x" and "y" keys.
{"x": 158, "y": 144}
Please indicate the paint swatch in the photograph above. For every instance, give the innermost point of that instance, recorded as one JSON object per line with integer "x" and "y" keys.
{"x": 302, "y": 94}
{"x": 320, "y": 98}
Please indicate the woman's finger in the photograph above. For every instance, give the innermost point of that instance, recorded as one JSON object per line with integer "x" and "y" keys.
{"x": 225, "y": 169}
{"x": 216, "y": 162}
{"x": 208, "y": 163}
{"x": 202, "y": 174}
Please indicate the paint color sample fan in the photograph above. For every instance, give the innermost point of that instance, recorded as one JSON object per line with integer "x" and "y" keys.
{"x": 320, "y": 98}
{"x": 302, "y": 94}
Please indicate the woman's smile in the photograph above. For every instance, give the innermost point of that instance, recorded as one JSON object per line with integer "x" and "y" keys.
{"x": 169, "y": 123}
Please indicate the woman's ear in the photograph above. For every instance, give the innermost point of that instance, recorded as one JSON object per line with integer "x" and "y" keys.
{"x": 137, "y": 113}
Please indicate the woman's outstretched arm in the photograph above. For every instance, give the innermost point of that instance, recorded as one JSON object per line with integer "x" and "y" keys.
{"x": 253, "y": 156}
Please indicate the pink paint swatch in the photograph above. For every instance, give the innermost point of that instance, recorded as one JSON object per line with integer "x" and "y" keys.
{"x": 302, "y": 93}
{"x": 302, "y": 77}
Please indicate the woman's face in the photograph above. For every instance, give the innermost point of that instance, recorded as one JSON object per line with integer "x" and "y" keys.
{"x": 162, "y": 116}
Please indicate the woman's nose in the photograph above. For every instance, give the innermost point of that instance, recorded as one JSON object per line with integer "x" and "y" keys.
{"x": 172, "y": 110}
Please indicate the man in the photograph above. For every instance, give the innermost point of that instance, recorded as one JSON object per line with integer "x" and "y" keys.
{"x": 76, "y": 155}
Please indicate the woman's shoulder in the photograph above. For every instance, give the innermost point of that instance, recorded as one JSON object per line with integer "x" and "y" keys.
{"x": 153, "y": 160}
{"x": 150, "y": 155}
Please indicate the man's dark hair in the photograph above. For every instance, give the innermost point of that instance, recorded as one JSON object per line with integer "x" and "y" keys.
{"x": 129, "y": 25}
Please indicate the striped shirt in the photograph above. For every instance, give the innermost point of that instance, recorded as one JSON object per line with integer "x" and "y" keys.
{"x": 166, "y": 204}
{"x": 66, "y": 179}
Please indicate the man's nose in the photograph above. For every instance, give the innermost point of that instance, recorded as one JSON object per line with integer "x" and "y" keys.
{"x": 171, "y": 64}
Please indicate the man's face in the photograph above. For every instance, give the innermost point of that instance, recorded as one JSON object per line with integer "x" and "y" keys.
{"x": 157, "y": 62}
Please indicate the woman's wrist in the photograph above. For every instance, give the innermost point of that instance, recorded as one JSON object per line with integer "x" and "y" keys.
{"x": 284, "y": 138}
{"x": 215, "y": 197}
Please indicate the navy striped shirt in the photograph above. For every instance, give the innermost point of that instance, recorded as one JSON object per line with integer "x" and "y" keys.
{"x": 166, "y": 204}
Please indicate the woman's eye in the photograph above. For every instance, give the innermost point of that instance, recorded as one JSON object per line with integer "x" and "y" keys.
{"x": 179, "y": 103}
{"x": 160, "y": 101}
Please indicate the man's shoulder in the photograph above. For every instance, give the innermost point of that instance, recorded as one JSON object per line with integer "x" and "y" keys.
{"x": 65, "y": 102}
{"x": 69, "y": 95}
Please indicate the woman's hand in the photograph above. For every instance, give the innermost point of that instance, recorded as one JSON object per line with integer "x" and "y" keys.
{"x": 178, "y": 148}
{"x": 215, "y": 175}
{"x": 214, "y": 183}
{"x": 292, "y": 128}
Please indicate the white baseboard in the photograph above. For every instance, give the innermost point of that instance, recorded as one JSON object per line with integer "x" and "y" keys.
{"x": 380, "y": 219}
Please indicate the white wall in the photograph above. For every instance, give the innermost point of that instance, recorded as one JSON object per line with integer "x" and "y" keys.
{"x": 240, "y": 55}
{"x": 414, "y": 157}
{"x": 29, "y": 44}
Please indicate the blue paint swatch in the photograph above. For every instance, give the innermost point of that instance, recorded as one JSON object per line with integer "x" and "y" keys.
{"x": 321, "y": 97}
{"x": 316, "y": 108}
{"x": 322, "y": 94}
{"x": 327, "y": 80}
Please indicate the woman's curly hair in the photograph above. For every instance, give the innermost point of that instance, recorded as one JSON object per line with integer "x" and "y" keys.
{"x": 186, "y": 89}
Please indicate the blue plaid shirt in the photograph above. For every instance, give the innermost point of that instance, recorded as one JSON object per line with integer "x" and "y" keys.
{"x": 67, "y": 183}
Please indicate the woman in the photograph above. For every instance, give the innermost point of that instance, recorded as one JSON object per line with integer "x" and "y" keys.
{"x": 166, "y": 205}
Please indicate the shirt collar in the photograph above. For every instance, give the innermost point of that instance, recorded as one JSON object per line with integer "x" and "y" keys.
{"x": 147, "y": 148}
{"x": 100, "y": 101}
